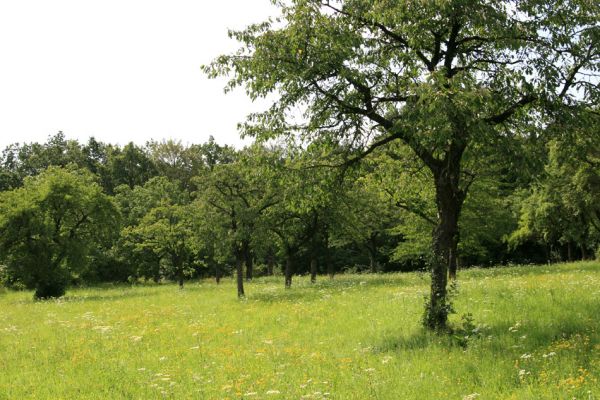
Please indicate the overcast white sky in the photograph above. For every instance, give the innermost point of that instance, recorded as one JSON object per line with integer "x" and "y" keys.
{"x": 119, "y": 70}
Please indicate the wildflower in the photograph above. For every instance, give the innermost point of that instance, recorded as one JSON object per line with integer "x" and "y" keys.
{"x": 551, "y": 354}
{"x": 270, "y": 392}
{"x": 523, "y": 373}
{"x": 526, "y": 356}
{"x": 471, "y": 396}
{"x": 515, "y": 327}
{"x": 386, "y": 359}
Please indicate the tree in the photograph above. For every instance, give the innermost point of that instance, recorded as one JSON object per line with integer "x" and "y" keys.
{"x": 167, "y": 231}
{"x": 447, "y": 78}
{"x": 177, "y": 162}
{"x": 49, "y": 226}
{"x": 20, "y": 161}
{"x": 562, "y": 208}
{"x": 240, "y": 193}
{"x": 129, "y": 166}
{"x": 135, "y": 205}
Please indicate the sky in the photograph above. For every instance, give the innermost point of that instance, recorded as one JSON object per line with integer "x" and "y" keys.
{"x": 120, "y": 70}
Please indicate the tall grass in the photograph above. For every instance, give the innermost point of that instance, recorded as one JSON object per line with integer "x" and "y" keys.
{"x": 534, "y": 335}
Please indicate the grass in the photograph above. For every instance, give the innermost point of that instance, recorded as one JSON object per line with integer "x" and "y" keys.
{"x": 356, "y": 337}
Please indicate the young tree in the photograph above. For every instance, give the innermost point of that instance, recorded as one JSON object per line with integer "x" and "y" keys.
{"x": 241, "y": 192}
{"x": 167, "y": 231}
{"x": 48, "y": 227}
{"x": 135, "y": 204}
{"x": 447, "y": 78}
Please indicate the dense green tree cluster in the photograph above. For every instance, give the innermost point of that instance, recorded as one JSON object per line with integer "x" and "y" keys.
{"x": 268, "y": 210}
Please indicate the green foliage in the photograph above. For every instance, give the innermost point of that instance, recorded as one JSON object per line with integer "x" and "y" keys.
{"x": 49, "y": 226}
{"x": 167, "y": 232}
{"x": 449, "y": 79}
{"x": 562, "y": 209}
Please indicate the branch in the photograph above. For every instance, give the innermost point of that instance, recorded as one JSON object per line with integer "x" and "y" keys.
{"x": 506, "y": 114}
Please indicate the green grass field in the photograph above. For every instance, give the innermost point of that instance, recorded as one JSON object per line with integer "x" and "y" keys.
{"x": 354, "y": 337}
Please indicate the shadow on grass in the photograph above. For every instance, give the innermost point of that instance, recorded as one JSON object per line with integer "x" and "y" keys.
{"x": 303, "y": 290}
{"x": 530, "y": 336}
{"x": 108, "y": 296}
{"x": 529, "y": 269}
{"x": 286, "y": 295}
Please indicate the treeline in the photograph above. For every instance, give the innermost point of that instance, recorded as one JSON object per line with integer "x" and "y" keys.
{"x": 73, "y": 213}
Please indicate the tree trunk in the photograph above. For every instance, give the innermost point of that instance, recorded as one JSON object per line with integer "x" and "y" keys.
{"x": 217, "y": 273}
{"x": 288, "y": 271}
{"x": 240, "y": 273}
{"x": 453, "y": 257}
{"x": 584, "y": 255}
{"x": 449, "y": 200}
{"x": 178, "y": 265}
{"x": 313, "y": 269}
{"x": 569, "y": 252}
{"x": 330, "y": 267}
{"x": 270, "y": 264}
{"x": 248, "y": 260}
{"x": 372, "y": 260}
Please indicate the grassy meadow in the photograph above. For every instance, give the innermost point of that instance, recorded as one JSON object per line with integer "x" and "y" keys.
{"x": 535, "y": 334}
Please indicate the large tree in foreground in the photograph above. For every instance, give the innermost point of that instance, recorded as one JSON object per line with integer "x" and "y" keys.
{"x": 446, "y": 77}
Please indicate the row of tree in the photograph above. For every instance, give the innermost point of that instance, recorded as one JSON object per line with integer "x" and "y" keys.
{"x": 169, "y": 211}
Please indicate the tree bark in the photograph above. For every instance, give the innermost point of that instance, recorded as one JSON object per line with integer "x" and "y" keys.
{"x": 248, "y": 260}
{"x": 288, "y": 271}
{"x": 584, "y": 255}
{"x": 372, "y": 249}
{"x": 270, "y": 264}
{"x": 449, "y": 201}
{"x": 178, "y": 265}
{"x": 217, "y": 273}
{"x": 313, "y": 269}
{"x": 569, "y": 252}
{"x": 453, "y": 257}
{"x": 240, "y": 273}
{"x": 330, "y": 267}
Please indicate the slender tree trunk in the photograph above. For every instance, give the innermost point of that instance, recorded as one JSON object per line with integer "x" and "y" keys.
{"x": 569, "y": 252}
{"x": 584, "y": 255}
{"x": 239, "y": 273}
{"x": 270, "y": 264}
{"x": 217, "y": 273}
{"x": 248, "y": 260}
{"x": 288, "y": 271}
{"x": 178, "y": 265}
{"x": 372, "y": 258}
{"x": 330, "y": 266}
{"x": 313, "y": 269}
